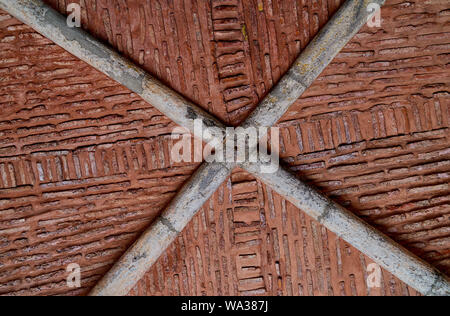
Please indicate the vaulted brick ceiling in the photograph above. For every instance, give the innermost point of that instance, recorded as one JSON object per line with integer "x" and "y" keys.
{"x": 85, "y": 167}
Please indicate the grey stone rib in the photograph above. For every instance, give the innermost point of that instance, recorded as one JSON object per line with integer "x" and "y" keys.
{"x": 383, "y": 250}
{"x": 205, "y": 181}
{"x": 151, "y": 245}
{"x": 81, "y": 44}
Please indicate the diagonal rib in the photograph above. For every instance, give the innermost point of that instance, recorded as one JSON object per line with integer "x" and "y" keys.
{"x": 133, "y": 265}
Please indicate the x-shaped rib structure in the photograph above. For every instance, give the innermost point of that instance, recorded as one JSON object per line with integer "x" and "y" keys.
{"x": 143, "y": 254}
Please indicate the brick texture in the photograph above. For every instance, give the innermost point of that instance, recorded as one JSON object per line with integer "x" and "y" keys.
{"x": 373, "y": 131}
{"x": 247, "y": 240}
{"x": 85, "y": 164}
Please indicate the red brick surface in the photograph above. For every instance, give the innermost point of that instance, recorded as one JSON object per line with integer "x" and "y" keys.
{"x": 84, "y": 166}
{"x": 84, "y": 163}
{"x": 373, "y": 131}
{"x": 247, "y": 240}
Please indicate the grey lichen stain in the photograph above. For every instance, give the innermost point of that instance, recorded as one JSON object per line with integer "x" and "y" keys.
{"x": 168, "y": 224}
{"x": 207, "y": 180}
{"x": 191, "y": 114}
{"x": 440, "y": 286}
{"x": 326, "y": 213}
{"x": 140, "y": 257}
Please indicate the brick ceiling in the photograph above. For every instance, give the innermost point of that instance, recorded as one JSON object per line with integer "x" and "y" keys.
{"x": 85, "y": 163}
